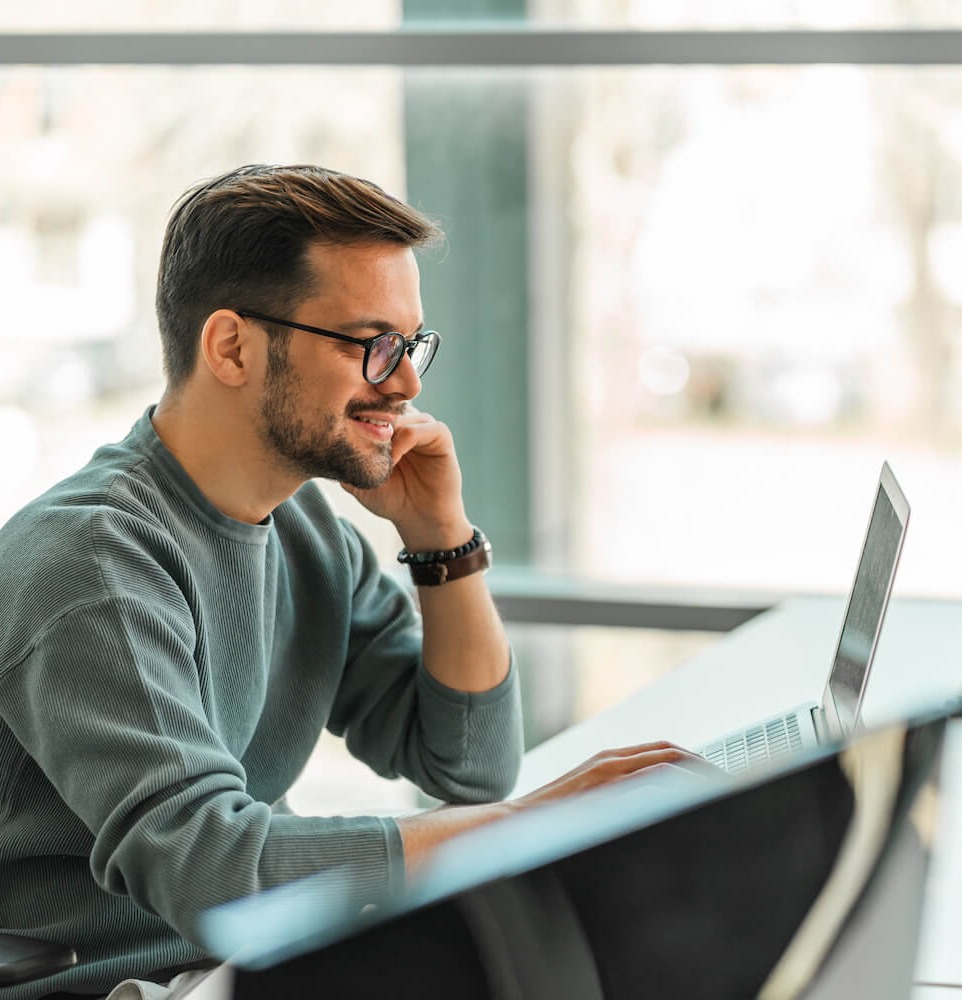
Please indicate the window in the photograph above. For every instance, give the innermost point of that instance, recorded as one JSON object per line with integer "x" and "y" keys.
{"x": 688, "y": 309}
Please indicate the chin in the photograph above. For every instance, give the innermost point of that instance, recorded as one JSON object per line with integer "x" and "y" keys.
{"x": 350, "y": 468}
{"x": 368, "y": 479}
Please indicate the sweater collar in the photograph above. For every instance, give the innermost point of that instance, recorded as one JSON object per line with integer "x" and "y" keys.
{"x": 146, "y": 440}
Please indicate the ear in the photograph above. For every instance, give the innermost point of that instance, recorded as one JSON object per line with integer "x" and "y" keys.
{"x": 227, "y": 346}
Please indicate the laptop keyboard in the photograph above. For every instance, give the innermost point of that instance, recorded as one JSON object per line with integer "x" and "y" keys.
{"x": 758, "y": 745}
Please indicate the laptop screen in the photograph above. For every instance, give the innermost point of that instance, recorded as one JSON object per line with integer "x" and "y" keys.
{"x": 867, "y": 603}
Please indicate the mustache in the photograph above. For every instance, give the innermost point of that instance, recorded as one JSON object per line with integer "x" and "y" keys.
{"x": 377, "y": 406}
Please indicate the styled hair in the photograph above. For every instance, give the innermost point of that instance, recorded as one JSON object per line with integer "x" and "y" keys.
{"x": 242, "y": 240}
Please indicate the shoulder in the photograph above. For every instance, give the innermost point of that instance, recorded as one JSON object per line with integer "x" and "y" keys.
{"x": 70, "y": 546}
{"x": 116, "y": 491}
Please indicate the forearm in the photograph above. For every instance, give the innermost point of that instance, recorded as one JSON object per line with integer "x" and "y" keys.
{"x": 465, "y": 646}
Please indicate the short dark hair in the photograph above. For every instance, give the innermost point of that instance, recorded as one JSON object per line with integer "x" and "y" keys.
{"x": 243, "y": 239}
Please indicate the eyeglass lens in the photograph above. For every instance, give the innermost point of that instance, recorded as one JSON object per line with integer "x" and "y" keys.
{"x": 386, "y": 352}
{"x": 423, "y": 352}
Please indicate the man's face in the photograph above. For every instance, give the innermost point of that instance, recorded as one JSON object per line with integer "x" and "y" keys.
{"x": 318, "y": 414}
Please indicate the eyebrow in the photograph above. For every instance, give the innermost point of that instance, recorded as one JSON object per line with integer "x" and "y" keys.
{"x": 379, "y": 325}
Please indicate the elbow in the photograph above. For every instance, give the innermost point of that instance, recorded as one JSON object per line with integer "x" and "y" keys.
{"x": 487, "y": 779}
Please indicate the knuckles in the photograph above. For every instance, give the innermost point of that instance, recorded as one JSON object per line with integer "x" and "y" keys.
{"x": 617, "y": 763}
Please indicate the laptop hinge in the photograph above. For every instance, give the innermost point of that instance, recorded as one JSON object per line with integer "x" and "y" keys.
{"x": 822, "y": 730}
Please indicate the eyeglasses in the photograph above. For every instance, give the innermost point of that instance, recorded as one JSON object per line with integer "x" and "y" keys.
{"x": 382, "y": 354}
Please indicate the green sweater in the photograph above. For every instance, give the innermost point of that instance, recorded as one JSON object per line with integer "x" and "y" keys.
{"x": 165, "y": 672}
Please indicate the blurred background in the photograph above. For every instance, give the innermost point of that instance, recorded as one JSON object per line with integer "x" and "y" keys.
{"x": 688, "y": 309}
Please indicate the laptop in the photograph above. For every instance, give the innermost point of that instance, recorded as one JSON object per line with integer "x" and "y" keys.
{"x": 838, "y": 714}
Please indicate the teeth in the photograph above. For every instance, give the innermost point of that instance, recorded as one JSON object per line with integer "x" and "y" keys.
{"x": 377, "y": 423}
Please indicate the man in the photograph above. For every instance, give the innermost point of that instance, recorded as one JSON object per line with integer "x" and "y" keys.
{"x": 182, "y": 617}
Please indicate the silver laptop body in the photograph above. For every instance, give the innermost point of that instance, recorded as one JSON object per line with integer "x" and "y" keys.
{"x": 839, "y": 712}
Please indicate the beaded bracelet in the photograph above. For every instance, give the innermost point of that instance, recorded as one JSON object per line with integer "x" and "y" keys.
{"x": 442, "y": 555}
{"x": 431, "y": 569}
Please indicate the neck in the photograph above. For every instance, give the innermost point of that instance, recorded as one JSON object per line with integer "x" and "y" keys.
{"x": 222, "y": 452}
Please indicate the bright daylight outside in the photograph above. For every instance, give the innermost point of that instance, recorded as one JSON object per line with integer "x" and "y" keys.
{"x": 761, "y": 281}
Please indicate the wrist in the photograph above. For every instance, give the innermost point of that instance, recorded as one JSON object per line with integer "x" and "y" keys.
{"x": 436, "y": 536}
{"x": 433, "y": 567}
{"x": 423, "y": 832}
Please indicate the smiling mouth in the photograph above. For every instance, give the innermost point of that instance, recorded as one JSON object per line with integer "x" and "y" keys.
{"x": 377, "y": 426}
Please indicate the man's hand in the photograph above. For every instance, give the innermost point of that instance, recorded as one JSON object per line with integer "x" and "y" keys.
{"x": 422, "y": 495}
{"x": 423, "y": 832}
{"x": 615, "y": 765}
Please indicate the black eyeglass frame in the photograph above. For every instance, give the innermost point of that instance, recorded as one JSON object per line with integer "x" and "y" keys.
{"x": 431, "y": 337}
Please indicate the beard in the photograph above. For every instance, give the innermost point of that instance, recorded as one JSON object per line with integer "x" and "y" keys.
{"x": 316, "y": 451}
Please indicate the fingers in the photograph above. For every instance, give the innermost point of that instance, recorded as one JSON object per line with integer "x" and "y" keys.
{"x": 623, "y": 762}
{"x": 421, "y": 432}
{"x": 630, "y": 751}
{"x": 612, "y": 765}
{"x": 626, "y": 760}
{"x": 412, "y": 415}
{"x": 683, "y": 774}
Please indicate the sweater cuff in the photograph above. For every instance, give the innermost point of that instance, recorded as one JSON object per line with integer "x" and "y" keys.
{"x": 474, "y": 739}
{"x": 463, "y": 699}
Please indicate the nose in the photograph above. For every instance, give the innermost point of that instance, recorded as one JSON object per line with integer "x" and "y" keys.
{"x": 404, "y": 381}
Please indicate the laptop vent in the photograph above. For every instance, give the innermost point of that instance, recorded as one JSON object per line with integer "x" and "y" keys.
{"x": 757, "y": 745}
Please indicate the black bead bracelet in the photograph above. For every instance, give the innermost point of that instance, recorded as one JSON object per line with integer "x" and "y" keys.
{"x": 443, "y": 555}
{"x": 430, "y": 569}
